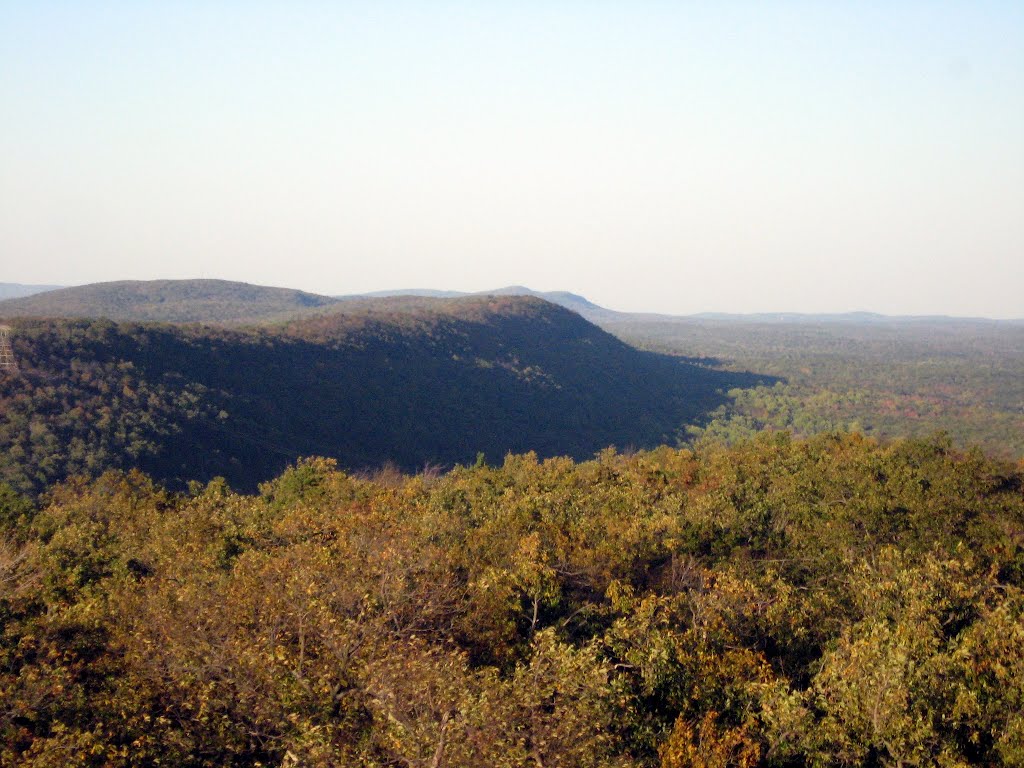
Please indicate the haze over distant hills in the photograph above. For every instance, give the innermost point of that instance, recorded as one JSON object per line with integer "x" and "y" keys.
{"x": 605, "y": 317}
{"x": 225, "y": 301}
{"x": 836, "y": 317}
{"x": 216, "y": 301}
{"x": 17, "y": 290}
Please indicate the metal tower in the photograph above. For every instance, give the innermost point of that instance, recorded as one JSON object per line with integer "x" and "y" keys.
{"x": 7, "y": 361}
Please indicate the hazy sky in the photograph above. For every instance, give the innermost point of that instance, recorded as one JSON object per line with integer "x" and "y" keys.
{"x": 675, "y": 157}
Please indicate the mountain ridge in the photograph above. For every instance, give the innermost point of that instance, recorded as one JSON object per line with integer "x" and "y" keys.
{"x": 226, "y": 301}
{"x": 180, "y": 301}
{"x": 412, "y": 381}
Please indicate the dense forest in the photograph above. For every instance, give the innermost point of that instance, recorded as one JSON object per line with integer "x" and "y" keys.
{"x": 888, "y": 377}
{"x": 885, "y": 377}
{"x": 409, "y": 381}
{"x": 472, "y": 577}
{"x": 777, "y": 603}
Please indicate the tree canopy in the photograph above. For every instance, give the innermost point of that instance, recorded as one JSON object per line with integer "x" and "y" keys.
{"x": 777, "y": 603}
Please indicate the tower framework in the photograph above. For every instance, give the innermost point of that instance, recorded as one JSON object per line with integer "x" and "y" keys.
{"x": 7, "y": 361}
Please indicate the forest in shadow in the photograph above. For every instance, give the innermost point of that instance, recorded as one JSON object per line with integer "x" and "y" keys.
{"x": 413, "y": 383}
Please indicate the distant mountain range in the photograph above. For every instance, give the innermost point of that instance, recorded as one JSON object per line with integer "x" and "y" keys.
{"x": 224, "y": 301}
{"x": 213, "y": 301}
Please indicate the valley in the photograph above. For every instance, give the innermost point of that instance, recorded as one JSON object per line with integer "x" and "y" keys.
{"x": 251, "y": 526}
{"x": 193, "y": 379}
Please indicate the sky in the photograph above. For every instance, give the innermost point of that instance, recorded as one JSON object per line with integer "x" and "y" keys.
{"x": 672, "y": 157}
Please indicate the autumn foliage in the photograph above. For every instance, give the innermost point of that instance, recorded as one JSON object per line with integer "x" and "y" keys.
{"x": 777, "y": 603}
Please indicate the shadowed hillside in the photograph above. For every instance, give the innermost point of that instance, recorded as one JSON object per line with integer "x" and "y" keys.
{"x": 886, "y": 376}
{"x": 172, "y": 301}
{"x": 412, "y": 381}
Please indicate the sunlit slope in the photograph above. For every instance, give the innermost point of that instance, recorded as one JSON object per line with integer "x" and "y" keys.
{"x": 173, "y": 301}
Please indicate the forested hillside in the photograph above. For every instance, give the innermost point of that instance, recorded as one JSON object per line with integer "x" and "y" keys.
{"x": 780, "y": 603}
{"x": 172, "y": 301}
{"x": 888, "y": 377}
{"x": 572, "y": 301}
{"x": 218, "y": 301}
{"x": 408, "y": 381}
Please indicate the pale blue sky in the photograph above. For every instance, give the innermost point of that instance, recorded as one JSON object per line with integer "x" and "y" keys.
{"x": 673, "y": 157}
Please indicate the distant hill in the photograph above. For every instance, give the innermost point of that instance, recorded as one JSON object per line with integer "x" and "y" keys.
{"x": 613, "y": 320}
{"x": 572, "y": 301}
{"x": 17, "y": 290}
{"x": 424, "y": 292}
{"x": 224, "y": 301}
{"x": 227, "y": 302}
{"x": 174, "y": 301}
{"x": 407, "y": 380}
{"x": 563, "y": 298}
